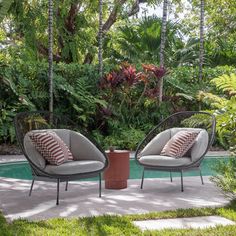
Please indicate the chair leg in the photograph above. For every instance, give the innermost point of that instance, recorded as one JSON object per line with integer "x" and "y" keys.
{"x": 58, "y": 188}
{"x": 66, "y": 188}
{"x": 201, "y": 175}
{"x": 31, "y": 188}
{"x": 142, "y": 179}
{"x": 171, "y": 180}
{"x": 100, "y": 185}
{"x": 182, "y": 184}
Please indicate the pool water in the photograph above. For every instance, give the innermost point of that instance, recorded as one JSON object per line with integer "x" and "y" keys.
{"x": 21, "y": 170}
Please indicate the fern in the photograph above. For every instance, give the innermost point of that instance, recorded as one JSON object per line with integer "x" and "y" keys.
{"x": 213, "y": 100}
{"x": 226, "y": 83}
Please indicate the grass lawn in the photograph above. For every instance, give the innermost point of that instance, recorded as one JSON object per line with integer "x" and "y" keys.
{"x": 118, "y": 225}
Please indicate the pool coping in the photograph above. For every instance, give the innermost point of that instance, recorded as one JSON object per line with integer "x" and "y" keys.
{"x": 16, "y": 158}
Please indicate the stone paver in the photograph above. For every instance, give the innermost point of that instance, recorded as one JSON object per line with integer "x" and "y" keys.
{"x": 82, "y": 199}
{"x": 183, "y": 223}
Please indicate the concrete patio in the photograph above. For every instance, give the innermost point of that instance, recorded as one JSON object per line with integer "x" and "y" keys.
{"x": 82, "y": 198}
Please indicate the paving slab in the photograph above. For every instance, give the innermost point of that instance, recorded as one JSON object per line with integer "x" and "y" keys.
{"x": 82, "y": 199}
{"x": 183, "y": 223}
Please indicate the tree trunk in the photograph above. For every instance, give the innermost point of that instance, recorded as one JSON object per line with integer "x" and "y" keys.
{"x": 50, "y": 53}
{"x": 162, "y": 47}
{"x": 201, "y": 51}
{"x": 100, "y": 39}
{"x": 112, "y": 18}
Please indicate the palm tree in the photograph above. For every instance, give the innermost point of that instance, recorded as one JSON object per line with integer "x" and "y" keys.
{"x": 162, "y": 47}
{"x": 142, "y": 43}
{"x": 50, "y": 53}
{"x": 100, "y": 39}
{"x": 201, "y": 50}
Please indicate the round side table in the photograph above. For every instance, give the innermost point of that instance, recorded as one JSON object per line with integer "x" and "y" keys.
{"x": 117, "y": 173}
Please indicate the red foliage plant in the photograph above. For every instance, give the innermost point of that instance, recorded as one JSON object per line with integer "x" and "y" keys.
{"x": 127, "y": 75}
{"x": 157, "y": 71}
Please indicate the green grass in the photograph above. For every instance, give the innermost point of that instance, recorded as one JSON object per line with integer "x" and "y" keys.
{"x": 118, "y": 225}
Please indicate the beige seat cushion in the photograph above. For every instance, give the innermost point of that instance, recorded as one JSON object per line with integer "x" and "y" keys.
{"x": 75, "y": 167}
{"x": 156, "y": 160}
{"x": 81, "y": 148}
{"x": 150, "y": 155}
{"x": 155, "y": 146}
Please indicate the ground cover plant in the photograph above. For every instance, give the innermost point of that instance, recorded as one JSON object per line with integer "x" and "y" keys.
{"x": 119, "y": 225}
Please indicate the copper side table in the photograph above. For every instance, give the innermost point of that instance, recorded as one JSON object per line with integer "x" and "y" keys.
{"x": 117, "y": 173}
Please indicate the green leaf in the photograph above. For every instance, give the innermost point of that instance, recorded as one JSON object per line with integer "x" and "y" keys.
{"x": 4, "y": 7}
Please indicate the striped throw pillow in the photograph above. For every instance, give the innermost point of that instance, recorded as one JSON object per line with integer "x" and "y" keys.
{"x": 51, "y": 147}
{"x": 179, "y": 144}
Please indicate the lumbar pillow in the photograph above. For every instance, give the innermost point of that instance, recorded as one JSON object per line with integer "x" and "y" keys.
{"x": 51, "y": 147}
{"x": 179, "y": 144}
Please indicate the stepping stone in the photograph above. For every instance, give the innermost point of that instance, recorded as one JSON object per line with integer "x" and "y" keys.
{"x": 183, "y": 223}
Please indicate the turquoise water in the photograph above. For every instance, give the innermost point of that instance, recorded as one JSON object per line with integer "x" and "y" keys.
{"x": 21, "y": 170}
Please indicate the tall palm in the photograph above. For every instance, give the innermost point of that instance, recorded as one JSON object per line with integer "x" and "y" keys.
{"x": 162, "y": 47}
{"x": 140, "y": 43}
{"x": 100, "y": 39}
{"x": 201, "y": 51}
{"x": 50, "y": 53}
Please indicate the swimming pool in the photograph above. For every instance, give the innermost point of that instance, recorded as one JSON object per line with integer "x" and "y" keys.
{"x": 21, "y": 170}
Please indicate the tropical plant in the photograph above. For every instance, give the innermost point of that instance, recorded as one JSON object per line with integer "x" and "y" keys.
{"x": 139, "y": 42}
{"x": 4, "y": 7}
{"x": 225, "y": 112}
{"x": 224, "y": 107}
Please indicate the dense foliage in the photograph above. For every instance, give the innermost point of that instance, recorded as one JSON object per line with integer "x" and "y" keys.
{"x": 224, "y": 108}
{"x": 119, "y": 113}
{"x": 117, "y": 109}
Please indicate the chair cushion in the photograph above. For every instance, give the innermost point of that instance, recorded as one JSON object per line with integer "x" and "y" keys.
{"x": 75, "y": 167}
{"x": 83, "y": 149}
{"x": 155, "y": 146}
{"x": 51, "y": 147}
{"x": 158, "y": 160}
{"x": 179, "y": 144}
{"x": 200, "y": 145}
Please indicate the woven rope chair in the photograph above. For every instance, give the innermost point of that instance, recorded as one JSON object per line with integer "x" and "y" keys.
{"x": 148, "y": 151}
{"x": 90, "y": 158}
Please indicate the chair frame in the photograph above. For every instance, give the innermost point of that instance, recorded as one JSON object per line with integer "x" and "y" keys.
{"x": 195, "y": 165}
{"x": 38, "y": 173}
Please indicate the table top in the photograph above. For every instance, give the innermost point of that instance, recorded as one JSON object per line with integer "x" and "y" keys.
{"x": 117, "y": 151}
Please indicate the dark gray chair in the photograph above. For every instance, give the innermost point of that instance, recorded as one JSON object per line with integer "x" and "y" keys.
{"x": 148, "y": 152}
{"x": 90, "y": 159}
